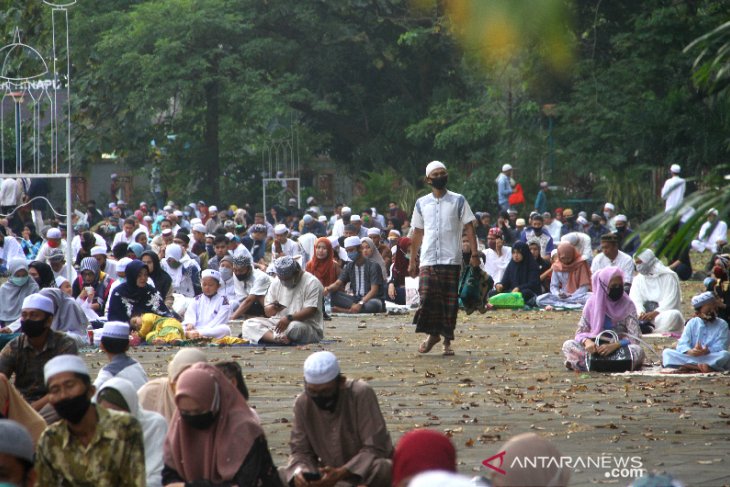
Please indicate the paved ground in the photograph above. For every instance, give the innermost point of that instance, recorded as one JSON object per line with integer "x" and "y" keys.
{"x": 507, "y": 377}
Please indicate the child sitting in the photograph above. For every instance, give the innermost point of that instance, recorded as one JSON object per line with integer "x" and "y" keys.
{"x": 209, "y": 312}
{"x": 115, "y": 343}
{"x": 158, "y": 330}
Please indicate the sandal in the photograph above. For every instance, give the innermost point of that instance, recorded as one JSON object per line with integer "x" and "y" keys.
{"x": 428, "y": 344}
{"x": 448, "y": 351}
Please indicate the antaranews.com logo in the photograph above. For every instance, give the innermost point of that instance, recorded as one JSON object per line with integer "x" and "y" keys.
{"x": 612, "y": 466}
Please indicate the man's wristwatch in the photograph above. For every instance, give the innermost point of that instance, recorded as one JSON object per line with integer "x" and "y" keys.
{"x": 361, "y": 303}
{"x": 290, "y": 318}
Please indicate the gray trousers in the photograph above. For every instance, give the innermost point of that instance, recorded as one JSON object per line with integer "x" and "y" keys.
{"x": 344, "y": 300}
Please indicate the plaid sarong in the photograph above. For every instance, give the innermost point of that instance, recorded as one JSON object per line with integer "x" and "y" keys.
{"x": 438, "y": 288}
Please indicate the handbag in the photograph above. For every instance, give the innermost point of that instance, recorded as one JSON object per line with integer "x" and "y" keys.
{"x": 621, "y": 360}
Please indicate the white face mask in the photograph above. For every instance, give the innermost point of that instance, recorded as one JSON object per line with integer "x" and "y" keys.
{"x": 226, "y": 273}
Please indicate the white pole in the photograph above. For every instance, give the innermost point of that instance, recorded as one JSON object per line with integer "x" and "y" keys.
{"x": 69, "y": 230}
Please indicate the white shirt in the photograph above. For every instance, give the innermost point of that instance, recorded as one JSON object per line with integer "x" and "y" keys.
{"x": 306, "y": 294}
{"x": 76, "y": 243}
{"x": 209, "y": 315}
{"x": 290, "y": 248}
{"x": 257, "y": 285}
{"x": 11, "y": 249}
{"x": 623, "y": 261}
{"x": 554, "y": 228}
{"x": 442, "y": 221}
{"x": 45, "y": 250}
{"x": 133, "y": 373}
{"x": 10, "y": 192}
{"x": 710, "y": 241}
{"x": 494, "y": 264}
{"x": 673, "y": 192}
{"x": 583, "y": 246}
{"x": 122, "y": 237}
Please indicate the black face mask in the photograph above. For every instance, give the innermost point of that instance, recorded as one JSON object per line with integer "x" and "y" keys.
{"x": 615, "y": 293}
{"x": 33, "y": 328}
{"x": 440, "y": 182}
{"x": 73, "y": 409}
{"x": 570, "y": 219}
{"x": 537, "y": 231}
{"x": 596, "y": 224}
{"x": 620, "y": 229}
{"x": 241, "y": 277}
{"x": 199, "y": 421}
{"x": 327, "y": 403}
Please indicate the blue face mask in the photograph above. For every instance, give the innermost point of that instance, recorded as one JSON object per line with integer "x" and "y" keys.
{"x": 19, "y": 281}
{"x": 353, "y": 255}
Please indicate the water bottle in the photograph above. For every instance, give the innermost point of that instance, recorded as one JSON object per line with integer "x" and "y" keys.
{"x": 90, "y": 334}
{"x": 327, "y": 305}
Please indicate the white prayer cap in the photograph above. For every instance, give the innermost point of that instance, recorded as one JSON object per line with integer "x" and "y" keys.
{"x": 675, "y": 169}
{"x": 60, "y": 280}
{"x": 712, "y": 211}
{"x": 115, "y": 329}
{"x": 394, "y": 232}
{"x": 334, "y": 241}
{"x": 506, "y": 167}
{"x": 167, "y": 208}
{"x": 280, "y": 229}
{"x": 310, "y": 199}
{"x": 322, "y": 218}
{"x": 98, "y": 250}
{"x": 432, "y": 166}
{"x": 114, "y": 175}
{"x": 346, "y": 210}
{"x": 147, "y": 218}
{"x": 177, "y": 213}
{"x": 307, "y": 218}
{"x": 195, "y": 221}
{"x": 703, "y": 298}
{"x": 64, "y": 363}
{"x": 167, "y": 231}
{"x": 440, "y": 478}
{"x": 620, "y": 218}
{"x": 121, "y": 202}
{"x": 15, "y": 441}
{"x": 199, "y": 227}
{"x": 53, "y": 233}
{"x": 353, "y": 241}
{"x": 582, "y": 220}
{"x": 211, "y": 273}
{"x": 212, "y": 209}
{"x": 112, "y": 205}
{"x": 209, "y": 235}
{"x": 123, "y": 263}
{"x": 609, "y": 206}
{"x": 355, "y": 218}
{"x": 520, "y": 222}
{"x": 321, "y": 368}
{"x": 229, "y": 236}
{"x": 373, "y": 231}
{"x": 38, "y": 301}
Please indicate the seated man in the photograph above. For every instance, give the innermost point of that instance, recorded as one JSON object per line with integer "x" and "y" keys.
{"x": 656, "y": 295}
{"x": 57, "y": 261}
{"x": 628, "y": 240}
{"x": 338, "y": 431}
{"x": 115, "y": 343}
{"x": 611, "y": 256}
{"x": 366, "y": 283}
{"x": 91, "y": 445}
{"x": 283, "y": 245}
{"x": 251, "y": 286}
{"x": 712, "y": 231}
{"x": 209, "y": 312}
{"x": 703, "y": 346}
{"x": 26, "y": 354}
{"x": 293, "y": 308}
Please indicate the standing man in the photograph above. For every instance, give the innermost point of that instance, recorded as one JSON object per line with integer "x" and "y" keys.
{"x": 438, "y": 221}
{"x": 504, "y": 187}
{"x": 673, "y": 189}
{"x": 541, "y": 205}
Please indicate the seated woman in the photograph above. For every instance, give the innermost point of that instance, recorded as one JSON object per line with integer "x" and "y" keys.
{"x": 703, "y": 346}
{"x": 208, "y": 314}
{"x": 161, "y": 279}
{"x": 42, "y": 274}
{"x": 656, "y": 294}
{"x": 497, "y": 255}
{"x": 522, "y": 275}
{"x": 543, "y": 266}
{"x": 18, "y": 286}
{"x": 570, "y": 284}
{"x": 135, "y": 296}
{"x": 370, "y": 251}
{"x": 214, "y": 438}
{"x": 183, "y": 271}
{"x": 399, "y": 272}
{"x": 608, "y": 308}
{"x": 68, "y": 316}
{"x": 92, "y": 286}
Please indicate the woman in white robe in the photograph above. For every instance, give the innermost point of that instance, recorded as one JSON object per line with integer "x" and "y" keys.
{"x": 656, "y": 294}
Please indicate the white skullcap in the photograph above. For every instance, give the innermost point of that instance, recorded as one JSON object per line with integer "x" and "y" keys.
{"x": 114, "y": 175}
{"x": 199, "y": 227}
{"x": 609, "y": 206}
{"x": 620, "y": 218}
{"x": 355, "y": 218}
{"x": 334, "y": 241}
{"x": 712, "y": 211}
{"x": 346, "y": 210}
{"x": 506, "y": 167}
{"x": 310, "y": 199}
{"x": 211, "y": 273}
{"x": 322, "y": 219}
{"x": 64, "y": 363}
{"x": 15, "y": 440}
{"x": 353, "y": 241}
{"x": 167, "y": 231}
{"x": 675, "y": 169}
{"x": 123, "y": 263}
{"x": 280, "y": 229}
{"x": 520, "y": 222}
{"x": 167, "y": 208}
{"x": 98, "y": 250}
{"x": 553, "y": 253}
{"x": 147, "y": 218}
{"x": 121, "y": 202}
{"x": 195, "y": 221}
{"x": 115, "y": 329}
{"x": 373, "y": 231}
{"x": 60, "y": 280}
{"x": 229, "y": 236}
{"x": 38, "y": 301}
{"x": 177, "y": 213}
{"x": 321, "y": 367}
{"x": 433, "y": 165}
{"x": 582, "y": 220}
{"x": 703, "y": 298}
{"x": 394, "y": 231}
{"x": 53, "y": 233}
{"x": 212, "y": 209}
{"x": 307, "y": 218}
{"x": 112, "y": 205}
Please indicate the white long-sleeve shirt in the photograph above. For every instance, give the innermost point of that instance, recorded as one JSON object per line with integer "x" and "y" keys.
{"x": 673, "y": 192}
{"x": 209, "y": 315}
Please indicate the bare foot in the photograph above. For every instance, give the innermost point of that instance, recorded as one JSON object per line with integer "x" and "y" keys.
{"x": 158, "y": 342}
{"x": 428, "y": 343}
{"x": 282, "y": 339}
{"x": 448, "y": 351}
{"x": 704, "y": 368}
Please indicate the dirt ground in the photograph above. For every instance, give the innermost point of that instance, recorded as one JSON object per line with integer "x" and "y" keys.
{"x": 507, "y": 377}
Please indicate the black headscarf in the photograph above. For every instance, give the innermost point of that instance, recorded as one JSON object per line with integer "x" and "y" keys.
{"x": 162, "y": 279}
{"x": 46, "y": 278}
{"x": 129, "y": 300}
{"x": 524, "y": 274}
{"x": 34, "y": 237}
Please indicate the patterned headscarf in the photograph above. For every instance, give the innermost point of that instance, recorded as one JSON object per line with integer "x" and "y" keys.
{"x": 90, "y": 264}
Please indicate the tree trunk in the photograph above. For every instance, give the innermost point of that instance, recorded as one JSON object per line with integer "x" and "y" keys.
{"x": 212, "y": 142}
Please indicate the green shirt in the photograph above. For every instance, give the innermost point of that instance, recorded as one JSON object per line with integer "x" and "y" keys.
{"x": 113, "y": 458}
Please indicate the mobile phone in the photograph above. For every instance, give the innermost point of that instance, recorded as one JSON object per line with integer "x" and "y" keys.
{"x": 311, "y": 476}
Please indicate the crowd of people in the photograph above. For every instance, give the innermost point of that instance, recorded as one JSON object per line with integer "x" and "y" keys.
{"x": 182, "y": 275}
